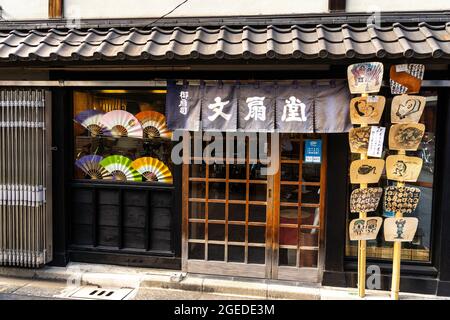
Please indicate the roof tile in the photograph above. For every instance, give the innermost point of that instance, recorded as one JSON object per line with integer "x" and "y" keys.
{"x": 420, "y": 41}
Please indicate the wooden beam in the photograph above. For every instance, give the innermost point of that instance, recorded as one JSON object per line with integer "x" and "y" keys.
{"x": 55, "y": 9}
{"x": 336, "y": 5}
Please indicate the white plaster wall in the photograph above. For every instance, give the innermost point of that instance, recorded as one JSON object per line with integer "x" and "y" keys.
{"x": 24, "y": 9}
{"x": 83, "y": 9}
{"x": 397, "y": 5}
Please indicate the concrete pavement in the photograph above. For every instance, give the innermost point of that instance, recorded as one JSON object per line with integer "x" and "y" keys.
{"x": 156, "y": 284}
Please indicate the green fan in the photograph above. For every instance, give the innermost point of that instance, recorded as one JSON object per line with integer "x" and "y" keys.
{"x": 120, "y": 168}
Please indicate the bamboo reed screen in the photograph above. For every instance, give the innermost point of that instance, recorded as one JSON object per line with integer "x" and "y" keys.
{"x": 25, "y": 216}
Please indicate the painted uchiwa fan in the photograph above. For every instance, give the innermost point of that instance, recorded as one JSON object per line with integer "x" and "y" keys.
{"x": 90, "y": 165}
{"x": 120, "y": 168}
{"x": 406, "y": 78}
{"x": 365, "y": 200}
{"x": 401, "y": 199}
{"x": 91, "y": 120}
{"x": 153, "y": 169}
{"x": 365, "y": 77}
{"x": 154, "y": 124}
{"x": 121, "y": 123}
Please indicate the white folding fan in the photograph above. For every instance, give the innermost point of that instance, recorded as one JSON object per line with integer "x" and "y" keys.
{"x": 122, "y": 124}
{"x": 91, "y": 120}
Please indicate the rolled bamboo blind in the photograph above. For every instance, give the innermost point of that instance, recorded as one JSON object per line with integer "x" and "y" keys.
{"x": 25, "y": 219}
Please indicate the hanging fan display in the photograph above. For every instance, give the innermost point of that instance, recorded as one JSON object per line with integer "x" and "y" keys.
{"x": 120, "y": 168}
{"x": 91, "y": 120}
{"x": 154, "y": 125}
{"x": 153, "y": 169}
{"x": 90, "y": 165}
{"x": 121, "y": 123}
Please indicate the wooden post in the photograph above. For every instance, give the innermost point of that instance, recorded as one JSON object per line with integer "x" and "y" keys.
{"x": 362, "y": 243}
{"x": 397, "y": 256}
{"x": 55, "y": 9}
{"x": 363, "y": 78}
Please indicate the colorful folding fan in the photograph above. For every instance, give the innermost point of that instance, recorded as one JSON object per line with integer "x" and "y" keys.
{"x": 153, "y": 169}
{"x": 154, "y": 124}
{"x": 90, "y": 165}
{"x": 91, "y": 120}
{"x": 122, "y": 124}
{"x": 120, "y": 168}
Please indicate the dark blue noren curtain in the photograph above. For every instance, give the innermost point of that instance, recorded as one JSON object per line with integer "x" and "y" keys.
{"x": 257, "y": 108}
{"x": 219, "y": 108}
{"x": 183, "y": 105}
{"x": 331, "y": 107}
{"x": 294, "y": 108}
{"x": 305, "y": 107}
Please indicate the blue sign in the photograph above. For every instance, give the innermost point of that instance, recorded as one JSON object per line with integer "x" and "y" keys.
{"x": 313, "y": 151}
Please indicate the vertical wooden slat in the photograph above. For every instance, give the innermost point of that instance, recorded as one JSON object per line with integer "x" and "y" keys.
{"x": 227, "y": 198}
{"x": 148, "y": 214}
{"x": 95, "y": 217}
{"x": 323, "y": 190}
{"x": 206, "y": 209}
{"x": 55, "y": 8}
{"x": 247, "y": 191}
{"x": 336, "y": 5}
{"x": 121, "y": 221}
{"x": 273, "y": 215}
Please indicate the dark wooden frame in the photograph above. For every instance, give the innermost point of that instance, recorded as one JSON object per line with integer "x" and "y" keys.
{"x": 62, "y": 176}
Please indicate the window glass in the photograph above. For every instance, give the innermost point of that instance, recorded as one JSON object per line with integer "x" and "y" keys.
{"x": 122, "y": 135}
{"x": 420, "y": 248}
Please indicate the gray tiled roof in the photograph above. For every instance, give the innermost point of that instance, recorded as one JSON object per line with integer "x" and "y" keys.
{"x": 420, "y": 41}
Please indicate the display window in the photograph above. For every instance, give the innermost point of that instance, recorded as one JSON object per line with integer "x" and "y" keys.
{"x": 122, "y": 136}
{"x": 420, "y": 248}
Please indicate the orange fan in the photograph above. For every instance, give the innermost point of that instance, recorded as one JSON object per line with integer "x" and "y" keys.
{"x": 153, "y": 169}
{"x": 154, "y": 124}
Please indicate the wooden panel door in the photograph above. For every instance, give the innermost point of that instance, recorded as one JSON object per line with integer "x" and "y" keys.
{"x": 238, "y": 222}
{"x": 298, "y": 211}
{"x": 227, "y": 218}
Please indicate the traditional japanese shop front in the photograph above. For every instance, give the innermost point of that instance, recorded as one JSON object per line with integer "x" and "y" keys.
{"x": 246, "y": 212}
{"x": 120, "y": 198}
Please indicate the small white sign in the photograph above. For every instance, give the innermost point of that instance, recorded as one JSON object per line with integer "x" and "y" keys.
{"x": 376, "y": 141}
{"x": 401, "y": 68}
{"x": 372, "y": 99}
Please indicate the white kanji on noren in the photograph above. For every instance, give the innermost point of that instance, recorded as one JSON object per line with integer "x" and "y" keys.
{"x": 293, "y": 110}
{"x": 183, "y": 102}
{"x": 217, "y": 107}
{"x": 256, "y": 108}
